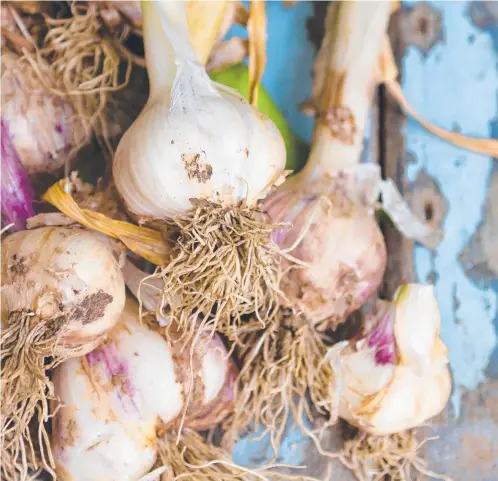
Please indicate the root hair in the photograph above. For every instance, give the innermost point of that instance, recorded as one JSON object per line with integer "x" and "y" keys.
{"x": 223, "y": 266}
{"x": 77, "y": 62}
{"x": 281, "y": 367}
{"x": 394, "y": 457}
{"x": 193, "y": 458}
{"x": 26, "y": 344}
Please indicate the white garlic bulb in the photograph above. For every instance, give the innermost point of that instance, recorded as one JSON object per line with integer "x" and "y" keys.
{"x": 118, "y": 397}
{"x": 194, "y": 139}
{"x": 397, "y": 377}
{"x": 60, "y": 271}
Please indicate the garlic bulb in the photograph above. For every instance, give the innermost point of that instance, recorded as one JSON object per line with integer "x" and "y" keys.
{"x": 197, "y": 161}
{"x": 338, "y": 243}
{"x": 330, "y": 228}
{"x": 55, "y": 271}
{"x": 42, "y": 126}
{"x": 120, "y": 397}
{"x": 62, "y": 291}
{"x": 218, "y": 385}
{"x": 397, "y": 376}
{"x": 194, "y": 139}
{"x": 98, "y": 434}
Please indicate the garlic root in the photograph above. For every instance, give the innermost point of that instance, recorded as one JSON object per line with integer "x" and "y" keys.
{"x": 91, "y": 66}
{"x": 392, "y": 457}
{"x": 223, "y": 266}
{"x": 196, "y": 459}
{"x": 43, "y": 127}
{"x": 62, "y": 290}
{"x": 280, "y": 365}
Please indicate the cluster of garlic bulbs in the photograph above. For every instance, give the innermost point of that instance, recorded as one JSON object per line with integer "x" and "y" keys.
{"x": 62, "y": 291}
{"x": 205, "y": 171}
{"x": 120, "y": 398}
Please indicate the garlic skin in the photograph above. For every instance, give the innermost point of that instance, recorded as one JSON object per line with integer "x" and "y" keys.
{"x": 195, "y": 139}
{"x": 41, "y": 125}
{"x": 54, "y": 271}
{"x": 119, "y": 397}
{"x": 340, "y": 242}
{"x": 383, "y": 397}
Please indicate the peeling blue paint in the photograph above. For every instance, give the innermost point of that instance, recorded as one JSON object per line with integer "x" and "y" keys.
{"x": 485, "y": 18}
{"x": 445, "y": 93}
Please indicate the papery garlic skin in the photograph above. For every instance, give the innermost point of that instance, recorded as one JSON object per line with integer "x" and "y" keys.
{"x": 194, "y": 139}
{"x": 385, "y": 398}
{"x": 60, "y": 271}
{"x": 340, "y": 244}
{"x": 42, "y": 126}
{"x": 118, "y": 397}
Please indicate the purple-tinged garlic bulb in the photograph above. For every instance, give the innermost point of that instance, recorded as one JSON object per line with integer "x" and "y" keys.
{"x": 43, "y": 127}
{"x": 337, "y": 243}
{"x": 396, "y": 377}
{"x": 16, "y": 191}
{"x": 120, "y": 398}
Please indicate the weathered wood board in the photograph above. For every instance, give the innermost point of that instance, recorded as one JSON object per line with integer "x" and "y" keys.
{"x": 447, "y": 52}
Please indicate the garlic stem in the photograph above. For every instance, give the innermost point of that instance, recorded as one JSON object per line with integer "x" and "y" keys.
{"x": 345, "y": 77}
{"x": 146, "y": 292}
{"x": 165, "y": 27}
{"x": 256, "y": 28}
{"x": 158, "y": 51}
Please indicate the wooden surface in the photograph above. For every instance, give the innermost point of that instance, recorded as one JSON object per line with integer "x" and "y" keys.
{"x": 448, "y": 55}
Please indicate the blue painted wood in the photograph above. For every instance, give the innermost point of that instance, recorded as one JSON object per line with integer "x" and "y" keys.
{"x": 454, "y": 85}
{"x": 451, "y": 78}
